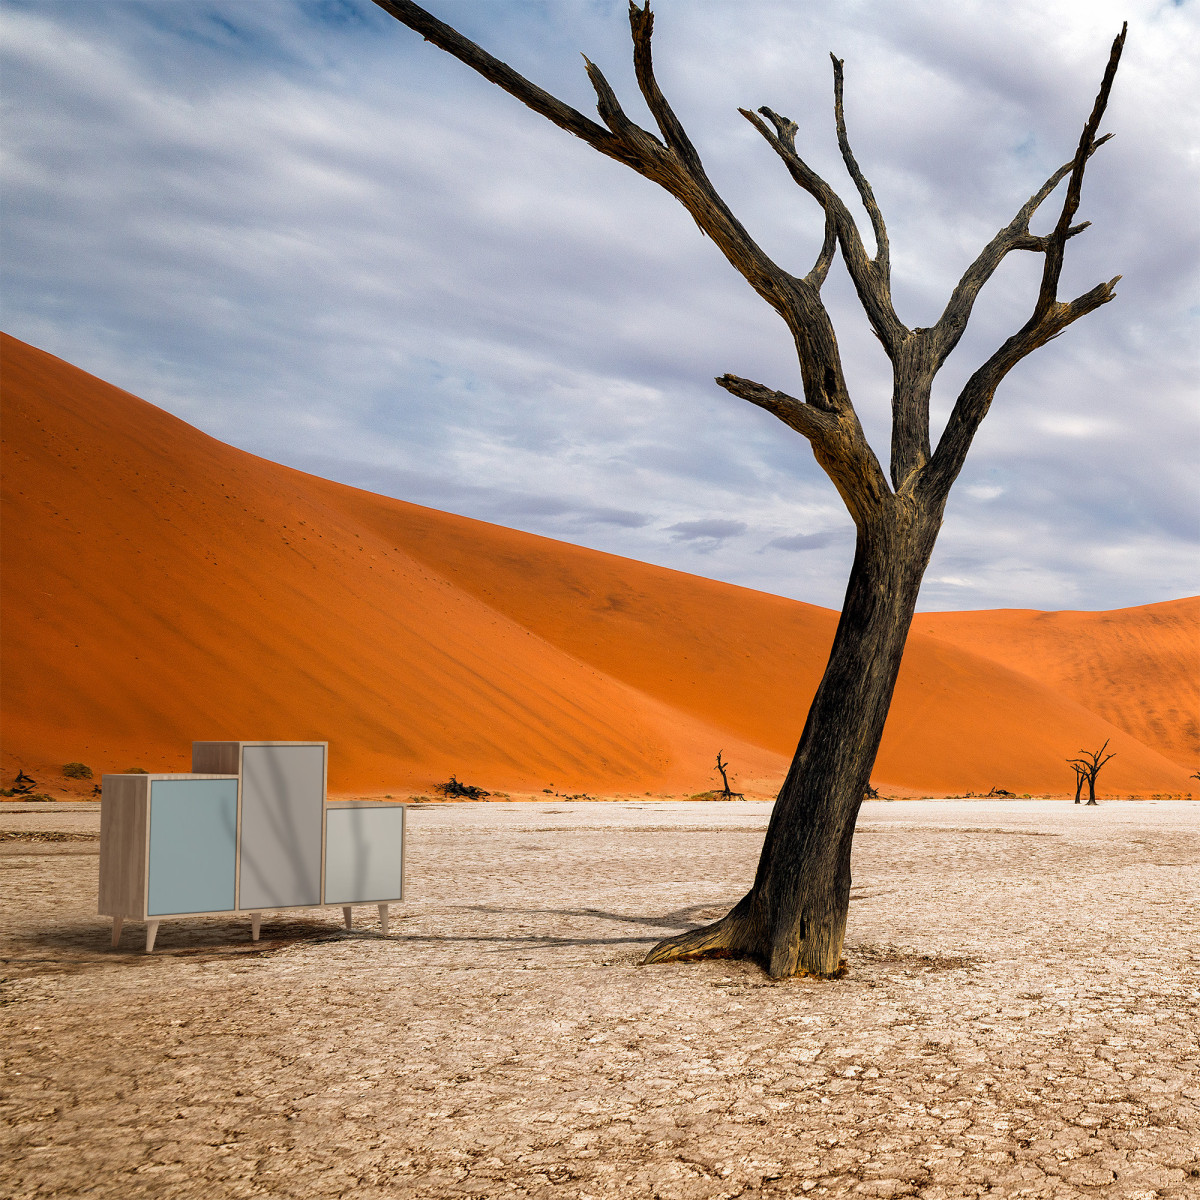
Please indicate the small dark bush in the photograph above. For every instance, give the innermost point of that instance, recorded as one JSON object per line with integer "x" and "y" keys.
{"x": 137, "y": 771}
{"x": 453, "y": 788}
{"x": 76, "y": 771}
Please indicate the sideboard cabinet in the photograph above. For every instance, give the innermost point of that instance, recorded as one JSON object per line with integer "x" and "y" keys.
{"x": 249, "y": 830}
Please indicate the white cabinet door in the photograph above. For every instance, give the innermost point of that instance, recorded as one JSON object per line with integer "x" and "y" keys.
{"x": 283, "y": 796}
{"x": 364, "y": 853}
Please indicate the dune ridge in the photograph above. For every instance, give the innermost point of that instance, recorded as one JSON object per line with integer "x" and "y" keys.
{"x": 158, "y": 585}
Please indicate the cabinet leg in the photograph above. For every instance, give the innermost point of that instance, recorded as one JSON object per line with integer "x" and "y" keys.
{"x": 383, "y": 919}
{"x": 346, "y": 913}
{"x": 151, "y": 934}
{"x": 255, "y": 925}
{"x": 117, "y": 923}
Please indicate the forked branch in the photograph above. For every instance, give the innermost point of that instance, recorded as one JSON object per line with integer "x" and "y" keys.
{"x": 1015, "y": 235}
{"x": 675, "y": 165}
{"x": 870, "y": 282}
{"x": 500, "y": 73}
{"x": 1057, "y": 241}
{"x": 1050, "y": 316}
{"x": 882, "y": 252}
{"x": 641, "y": 25}
{"x": 1091, "y": 762}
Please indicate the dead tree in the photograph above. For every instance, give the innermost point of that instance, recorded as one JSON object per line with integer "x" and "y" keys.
{"x": 723, "y": 767}
{"x": 794, "y": 917}
{"x": 1088, "y": 767}
{"x": 726, "y": 793}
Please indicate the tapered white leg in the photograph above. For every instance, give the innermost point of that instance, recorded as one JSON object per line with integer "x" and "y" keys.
{"x": 383, "y": 919}
{"x": 255, "y": 925}
{"x": 151, "y": 934}
{"x": 346, "y": 912}
{"x": 117, "y": 923}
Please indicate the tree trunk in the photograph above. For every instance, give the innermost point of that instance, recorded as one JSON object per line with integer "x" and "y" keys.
{"x": 1078, "y": 786}
{"x": 1091, "y": 789}
{"x": 794, "y": 918}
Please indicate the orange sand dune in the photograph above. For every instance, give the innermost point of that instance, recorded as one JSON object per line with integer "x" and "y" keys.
{"x": 1138, "y": 668}
{"x": 160, "y": 586}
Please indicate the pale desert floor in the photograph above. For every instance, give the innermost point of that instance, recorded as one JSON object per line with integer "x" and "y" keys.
{"x": 1021, "y": 1018}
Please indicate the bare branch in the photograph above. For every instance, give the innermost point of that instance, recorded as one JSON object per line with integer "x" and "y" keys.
{"x": 785, "y": 128}
{"x": 820, "y": 270}
{"x": 1047, "y": 297}
{"x": 1015, "y": 235}
{"x": 1092, "y": 760}
{"x": 674, "y": 167}
{"x": 804, "y": 418}
{"x": 1042, "y": 242}
{"x": 501, "y": 74}
{"x": 783, "y": 140}
{"x": 837, "y": 439}
{"x": 882, "y": 252}
{"x": 976, "y": 396}
{"x": 631, "y": 135}
{"x": 873, "y": 292}
{"x": 1049, "y": 318}
{"x": 641, "y": 25}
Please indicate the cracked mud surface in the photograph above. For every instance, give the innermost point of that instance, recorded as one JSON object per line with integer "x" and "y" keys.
{"x": 1021, "y": 1018}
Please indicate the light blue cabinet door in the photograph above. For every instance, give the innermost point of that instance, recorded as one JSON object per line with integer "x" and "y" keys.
{"x": 363, "y": 854}
{"x": 193, "y": 836}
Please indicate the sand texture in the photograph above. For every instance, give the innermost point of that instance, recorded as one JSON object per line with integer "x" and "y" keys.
{"x": 1020, "y": 1019}
{"x": 160, "y": 586}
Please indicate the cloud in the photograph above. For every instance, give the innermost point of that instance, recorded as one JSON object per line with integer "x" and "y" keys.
{"x": 714, "y": 529}
{"x": 802, "y": 541}
{"x": 301, "y": 228}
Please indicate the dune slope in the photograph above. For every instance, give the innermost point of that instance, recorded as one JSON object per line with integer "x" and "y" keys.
{"x": 160, "y": 586}
{"x": 1139, "y": 668}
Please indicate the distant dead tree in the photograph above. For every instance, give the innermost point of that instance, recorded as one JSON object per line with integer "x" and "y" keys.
{"x": 726, "y": 792}
{"x": 793, "y": 919}
{"x": 1088, "y": 767}
{"x": 721, "y": 766}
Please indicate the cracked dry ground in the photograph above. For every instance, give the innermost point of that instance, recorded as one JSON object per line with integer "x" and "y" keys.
{"x": 1020, "y": 1018}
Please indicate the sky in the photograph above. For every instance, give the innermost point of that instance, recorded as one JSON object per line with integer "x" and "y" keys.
{"x": 300, "y": 228}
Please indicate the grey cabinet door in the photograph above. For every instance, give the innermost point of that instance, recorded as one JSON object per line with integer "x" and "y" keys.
{"x": 364, "y": 854}
{"x": 193, "y": 834}
{"x": 283, "y": 795}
